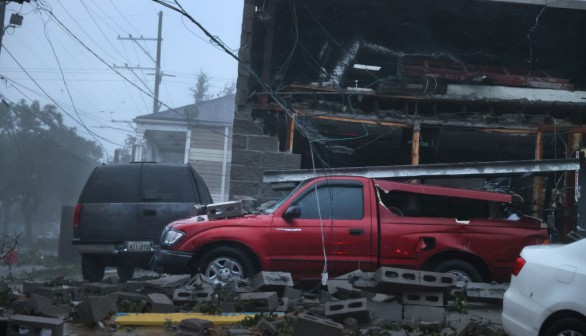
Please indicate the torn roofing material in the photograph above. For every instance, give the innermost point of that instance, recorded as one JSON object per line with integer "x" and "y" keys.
{"x": 420, "y": 171}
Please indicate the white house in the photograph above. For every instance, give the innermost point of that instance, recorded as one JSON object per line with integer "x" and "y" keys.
{"x": 199, "y": 134}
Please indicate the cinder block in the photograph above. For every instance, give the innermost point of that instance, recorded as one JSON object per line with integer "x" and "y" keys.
{"x": 96, "y": 309}
{"x": 424, "y": 298}
{"x": 362, "y": 280}
{"x": 195, "y": 326}
{"x": 159, "y": 303}
{"x": 284, "y": 305}
{"x": 381, "y": 313}
{"x": 271, "y": 281}
{"x": 183, "y": 295}
{"x": 56, "y": 294}
{"x": 415, "y": 315}
{"x": 263, "y": 143}
{"x": 29, "y": 287}
{"x": 488, "y": 293}
{"x": 224, "y": 210}
{"x": 198, "y": 281}
{"x": 35, "y": 324}
{"x": 266, "y": 327}
{"x": 390, "y": 280}
{"x": 133, "y": 286}
{"x": 168, "y": 281}
{"x": 437, "y": 280}
{"x": 259, "y": 302}
{"x": 311, "y": 325}
{"x": 356, "y": 308}
{"x": 136, "y": 302}
{"x": 42, "y": 306}
{"x": 292, "y": 294}
{"x": 239, "y": 332}
{"x": 99, "y": 289}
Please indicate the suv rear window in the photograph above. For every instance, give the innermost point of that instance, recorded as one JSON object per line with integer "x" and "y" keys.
{"x": 99, "y": 187}
{"x": 167, "y": 184}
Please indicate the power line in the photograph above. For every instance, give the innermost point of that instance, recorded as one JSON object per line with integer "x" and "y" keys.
{"x": 53, "y": 100}
{"x": 108, "y": 65}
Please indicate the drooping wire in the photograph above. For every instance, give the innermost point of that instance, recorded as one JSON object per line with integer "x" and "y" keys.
{"x": 53, "y": 100}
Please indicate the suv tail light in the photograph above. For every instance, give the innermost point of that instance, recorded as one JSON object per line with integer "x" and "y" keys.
{"x": 518, "y": 266}
{"x": 76, "y": 216}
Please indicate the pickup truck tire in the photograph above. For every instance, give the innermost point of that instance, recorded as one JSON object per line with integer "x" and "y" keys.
{"x": 92, "y": 269}
{"x": 125, "y": 272}
{"x": 463, "y": 270}
{"x": 224, "y": 263}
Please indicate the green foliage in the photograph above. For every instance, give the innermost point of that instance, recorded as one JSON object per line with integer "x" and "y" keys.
{"x": 202, "y": 85}
{"x": 210, "y": 308}
{"x": 169, "y": 324}
{"x": 251, "y": 321}
{"x": 44, "y": 163}
{"x": 127, "y": 306}
{"x": 461, "y": 302}
{"x": 200, "y": 92}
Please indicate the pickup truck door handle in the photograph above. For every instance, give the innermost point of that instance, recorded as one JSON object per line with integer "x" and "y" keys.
{"x": 149, "y": 212}
{"x": 356, "y": 232}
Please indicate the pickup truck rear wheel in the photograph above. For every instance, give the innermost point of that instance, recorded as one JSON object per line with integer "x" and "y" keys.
{"x": 463, "y": 270}
{"x": 92, "y": 269}
{"x": 225, "y": 263}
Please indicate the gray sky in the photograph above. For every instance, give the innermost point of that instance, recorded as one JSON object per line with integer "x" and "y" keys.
{"x": 90, "y": 95}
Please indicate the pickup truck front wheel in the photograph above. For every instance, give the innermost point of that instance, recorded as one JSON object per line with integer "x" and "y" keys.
{"x": 463, "y": 270}
{"x": 223, "y": 264}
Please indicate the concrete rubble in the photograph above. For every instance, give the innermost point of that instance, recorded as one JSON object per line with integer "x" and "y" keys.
{"x": 389, "y": 301}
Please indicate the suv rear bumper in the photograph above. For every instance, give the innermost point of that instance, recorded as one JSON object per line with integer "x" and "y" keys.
{"x": 172, "y": 262}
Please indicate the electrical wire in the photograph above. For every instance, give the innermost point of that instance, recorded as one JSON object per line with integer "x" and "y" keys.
{"x": 53, "y": 100}
{"x": 111, "y": 67}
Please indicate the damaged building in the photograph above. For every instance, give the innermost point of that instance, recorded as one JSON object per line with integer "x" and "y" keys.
{"x": 326, "y": 84}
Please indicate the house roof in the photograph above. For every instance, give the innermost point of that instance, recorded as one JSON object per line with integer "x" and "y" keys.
{"x": 217, "y": 111}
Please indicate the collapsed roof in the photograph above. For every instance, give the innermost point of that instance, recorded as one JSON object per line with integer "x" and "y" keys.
{"x": 478, "y": 79}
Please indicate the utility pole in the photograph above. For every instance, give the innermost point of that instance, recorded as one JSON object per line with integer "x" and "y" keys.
{"x": 15, "y": 19}
{"x": 158, "y": 74}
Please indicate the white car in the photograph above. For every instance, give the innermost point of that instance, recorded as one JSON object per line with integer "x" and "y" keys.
{"x": 547, "y": 295}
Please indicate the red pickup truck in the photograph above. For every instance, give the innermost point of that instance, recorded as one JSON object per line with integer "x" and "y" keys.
{"x": 336, "y": 225}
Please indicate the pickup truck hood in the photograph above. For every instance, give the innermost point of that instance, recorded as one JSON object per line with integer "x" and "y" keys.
{"x": 245, "y": 220}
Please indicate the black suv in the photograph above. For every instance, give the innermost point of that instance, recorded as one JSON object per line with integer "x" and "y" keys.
{"x": 123, "y": 209}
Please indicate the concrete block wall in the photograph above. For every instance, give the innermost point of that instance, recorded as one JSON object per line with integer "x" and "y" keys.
{"x": 252, "y": 151}
{"x": 252, "y": 154}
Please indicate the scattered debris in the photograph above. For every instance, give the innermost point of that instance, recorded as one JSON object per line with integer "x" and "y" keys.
{"x": 390, "y": 301}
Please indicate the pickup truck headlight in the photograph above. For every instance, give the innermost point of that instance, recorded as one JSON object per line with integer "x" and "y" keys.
{"x": 171, "y": 237}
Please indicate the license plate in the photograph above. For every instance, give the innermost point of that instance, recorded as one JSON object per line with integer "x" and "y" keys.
{"x": 138, "y": 246}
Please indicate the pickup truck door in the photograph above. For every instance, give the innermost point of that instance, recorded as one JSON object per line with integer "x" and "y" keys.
{"x": 343, "y": 233}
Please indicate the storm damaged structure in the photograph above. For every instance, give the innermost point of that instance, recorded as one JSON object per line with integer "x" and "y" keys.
{"x": 388, "y": 82}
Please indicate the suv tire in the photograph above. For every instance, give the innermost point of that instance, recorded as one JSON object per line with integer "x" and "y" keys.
{"x": 125, "y": 272}
{"x": 92, "y": 269}
{"x": 222, "y": 264}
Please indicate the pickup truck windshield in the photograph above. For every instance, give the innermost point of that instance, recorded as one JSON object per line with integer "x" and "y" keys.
{"x": 278, "y": 203}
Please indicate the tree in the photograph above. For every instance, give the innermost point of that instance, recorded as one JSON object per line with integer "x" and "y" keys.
{"x": 228, "y": 90}
{"x": 44, "y": 163}
{"x": 202, "y": 85}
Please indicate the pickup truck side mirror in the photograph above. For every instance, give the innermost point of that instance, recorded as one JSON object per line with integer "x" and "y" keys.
{"x": 293, "y": 211}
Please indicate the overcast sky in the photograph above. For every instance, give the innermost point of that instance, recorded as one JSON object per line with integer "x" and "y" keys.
{"x": 92, "y": 96}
